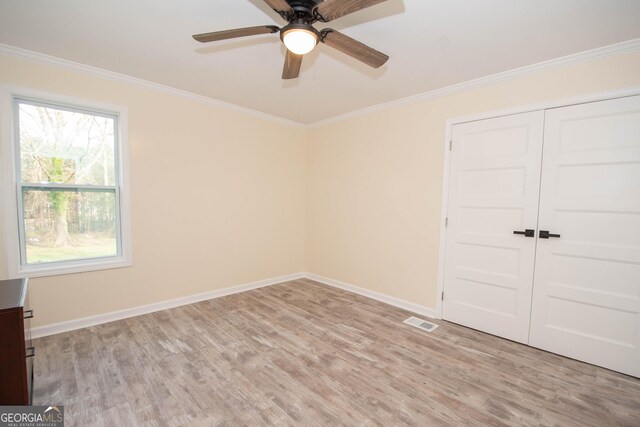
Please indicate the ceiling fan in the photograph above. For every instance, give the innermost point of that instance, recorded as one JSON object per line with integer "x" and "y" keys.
{"x": 299, "y": 35}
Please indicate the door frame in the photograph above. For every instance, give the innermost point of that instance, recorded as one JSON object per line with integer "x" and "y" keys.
{"x": 545, "y": 105}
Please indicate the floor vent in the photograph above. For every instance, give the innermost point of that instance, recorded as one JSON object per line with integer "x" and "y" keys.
{"x": 422, "y": 324}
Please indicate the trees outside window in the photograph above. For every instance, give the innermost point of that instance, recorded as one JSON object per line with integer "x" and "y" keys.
{"x": 68, "y": 188}
{"x": 67, "y": 177}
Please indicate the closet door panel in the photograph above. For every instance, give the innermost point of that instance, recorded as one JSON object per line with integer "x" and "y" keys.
{"x": 493, "y": 191}
{"x": 586, "y": 295}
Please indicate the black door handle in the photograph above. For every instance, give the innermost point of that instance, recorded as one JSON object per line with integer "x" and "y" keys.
{"x": 544, "y": 234}
{"x": 526, "y": 233}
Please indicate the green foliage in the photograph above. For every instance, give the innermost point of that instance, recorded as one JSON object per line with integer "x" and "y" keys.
{"x": 59, "y": 199}
{"x": 60, "y": 202}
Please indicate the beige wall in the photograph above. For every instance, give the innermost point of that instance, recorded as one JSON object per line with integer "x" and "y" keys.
{"x": 218, "y": 199}
{"x": 375, "y": 182}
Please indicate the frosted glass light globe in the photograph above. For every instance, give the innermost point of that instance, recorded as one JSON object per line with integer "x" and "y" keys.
{"x": 299, "y": 41}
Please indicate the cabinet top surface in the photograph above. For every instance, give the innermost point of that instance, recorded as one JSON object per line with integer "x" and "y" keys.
{"x": 12, "y": 293}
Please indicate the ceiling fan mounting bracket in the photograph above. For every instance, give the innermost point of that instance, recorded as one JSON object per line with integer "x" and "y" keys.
{"x": 324, "y": 33}
{"x": 317, "y": 17}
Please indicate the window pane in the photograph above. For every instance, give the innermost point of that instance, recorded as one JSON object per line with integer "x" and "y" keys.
{"x": 66, "y": 147}
{"x": 65, "y": 225}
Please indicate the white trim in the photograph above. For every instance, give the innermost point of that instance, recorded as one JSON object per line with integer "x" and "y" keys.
{"x": 85, "y": 322}
{"x": 546, "y": 105}
{"x": 396, "y": 302}
{"x": 8, "y": 185}
{"x": 9, "y": 209}
{"x": 443, "y": 220}
{"x": 65, "y": 64}
{"x": 565, "y": 102}
{"x": 565, "y": 61}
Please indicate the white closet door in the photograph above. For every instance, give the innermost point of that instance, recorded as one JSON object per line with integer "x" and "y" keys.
{"x": 586, "y": 300}
{"x": 494, "y": 186}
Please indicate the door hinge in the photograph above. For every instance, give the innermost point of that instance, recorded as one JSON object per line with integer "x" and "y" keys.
{"x": 442, "y": 296}
{"x": 450, "y": 144}
{"x": 446, "y": 222}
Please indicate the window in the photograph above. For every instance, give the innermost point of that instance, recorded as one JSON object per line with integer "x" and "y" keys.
{"x": 68, "y": 210}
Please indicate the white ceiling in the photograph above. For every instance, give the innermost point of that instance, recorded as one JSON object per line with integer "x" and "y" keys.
{"x": 432, "y": 44}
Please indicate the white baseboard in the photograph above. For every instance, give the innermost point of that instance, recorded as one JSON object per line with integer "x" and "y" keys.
{"x": 85, "y": 322}
{"x": 397, "y": 302}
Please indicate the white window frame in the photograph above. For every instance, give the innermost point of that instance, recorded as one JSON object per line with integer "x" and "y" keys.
{"x": 11, "y": 190}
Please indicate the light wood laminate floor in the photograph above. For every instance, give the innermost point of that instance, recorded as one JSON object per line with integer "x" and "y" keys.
{"x": 301, "y": 353}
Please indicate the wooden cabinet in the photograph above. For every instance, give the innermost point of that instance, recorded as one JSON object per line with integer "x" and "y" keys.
{"x": 16, "y": 350}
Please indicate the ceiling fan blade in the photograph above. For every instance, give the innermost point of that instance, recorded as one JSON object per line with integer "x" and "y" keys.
{"x": 280, "y": 6}
{"x": 292, "y": 63}
{"x": 333, "y": 9}
{"x": 353, "y": 48}
{"x": 238, "y": 32}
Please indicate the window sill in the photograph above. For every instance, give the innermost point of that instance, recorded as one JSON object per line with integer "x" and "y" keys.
{"x": 74, "y": 267}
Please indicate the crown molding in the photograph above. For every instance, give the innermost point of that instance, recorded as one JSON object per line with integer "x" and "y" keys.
{"x": 65, "y": 64}
{"x": 565, "y": 61}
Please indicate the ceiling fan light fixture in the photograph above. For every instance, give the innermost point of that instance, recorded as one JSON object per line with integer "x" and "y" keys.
{"x": 300, "y": 37}
{"x": 299, "y": 40}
